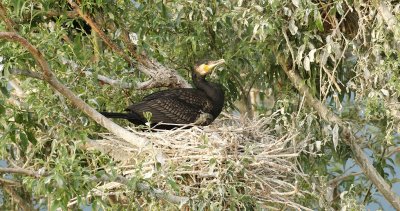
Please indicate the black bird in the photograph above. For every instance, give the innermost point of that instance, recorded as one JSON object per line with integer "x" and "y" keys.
{"x": 199, "y": 105}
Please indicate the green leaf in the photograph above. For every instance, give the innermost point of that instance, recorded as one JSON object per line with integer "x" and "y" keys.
{"x": 31, "y": 137}
{"x": 5, "y": 91}
{"x": 397, "y": 158}
{"x": 2, "y": 110}
{"x": 24, "y": 141}
{"x": 173, "y": 185}
{"x": 395, "y": 180}
{"x": 111, "y": 16}
{"x": 318, "y": 20}
{"x": 19, "y": 118}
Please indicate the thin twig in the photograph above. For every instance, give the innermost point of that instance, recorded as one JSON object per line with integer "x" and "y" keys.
{"x": 338, "y": 179}
{"x": 393, "y": 151}
{"x": 112, "y": 82}
{"x": 27, "y": 73}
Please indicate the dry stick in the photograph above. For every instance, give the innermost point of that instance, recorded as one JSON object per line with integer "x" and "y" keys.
{"x": 27, "y": 73}
{"x": 112, "y": 82}
{"x": 393, "y": 151}
{"x": 335, "y": 181}
{"x": 347, "y": 134}
{"x": 49, "y": 77}
{"x": 20, "y": 201}
{"x": 20, "y": 171}
{"x": 102, "y": 35}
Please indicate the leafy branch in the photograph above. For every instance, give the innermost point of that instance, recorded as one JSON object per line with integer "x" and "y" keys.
{"x": 347, "y": 134}
{"x": 49, "y": 77}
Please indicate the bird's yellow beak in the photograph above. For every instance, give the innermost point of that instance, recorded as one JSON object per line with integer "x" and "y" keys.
{"x": 212, "y": 64}
{"x": 206, "y": 68}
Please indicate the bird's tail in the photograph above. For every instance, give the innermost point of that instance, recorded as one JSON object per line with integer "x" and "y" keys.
{"x": 117, "y": 115}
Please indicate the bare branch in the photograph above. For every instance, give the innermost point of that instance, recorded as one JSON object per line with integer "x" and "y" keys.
{"x": 146, "y": 85}
{"x": 338, "y": 179}
{"x": 163, "y": 76}
{"x": 27, "y": 73}
{"x": 112, "y": 82}
{"x": 347, "y": 134}
{"x": 53, "y": 13}
{"x": 392, "y": 152}
{"x": 20, "y": 171}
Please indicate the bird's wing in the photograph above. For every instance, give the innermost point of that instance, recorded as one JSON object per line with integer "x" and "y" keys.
{"x": 194, "y": 97}
{"x": 167, "y": 110}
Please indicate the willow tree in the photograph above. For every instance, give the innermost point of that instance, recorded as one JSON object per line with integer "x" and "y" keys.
{"x": 331, "y": 68}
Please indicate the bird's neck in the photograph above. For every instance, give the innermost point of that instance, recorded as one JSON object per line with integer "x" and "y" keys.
{"x": 211, "y": 89}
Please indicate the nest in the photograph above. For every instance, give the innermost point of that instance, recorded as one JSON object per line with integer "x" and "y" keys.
{"x": 223, "y": 163}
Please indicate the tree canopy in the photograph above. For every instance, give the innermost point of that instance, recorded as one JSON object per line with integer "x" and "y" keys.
{"x": 326, "y": 72}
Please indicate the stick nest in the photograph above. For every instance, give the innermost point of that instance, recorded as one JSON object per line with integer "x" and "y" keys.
{"x": 233, "y": 162}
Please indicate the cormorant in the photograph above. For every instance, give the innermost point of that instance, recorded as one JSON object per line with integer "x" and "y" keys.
{"x": 199, "y": 105}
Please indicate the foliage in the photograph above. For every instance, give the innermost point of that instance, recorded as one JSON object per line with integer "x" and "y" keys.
{"x": 342, "y": 49}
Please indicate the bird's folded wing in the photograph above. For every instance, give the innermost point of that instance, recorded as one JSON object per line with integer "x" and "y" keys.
{"x": 167, "y": 110}
{"x": 193, "y": 97}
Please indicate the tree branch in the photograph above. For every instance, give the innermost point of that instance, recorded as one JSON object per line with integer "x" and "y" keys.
{"x": 348, "y": 136}
{"x": 27, "y": 73}
{"x": 97, "y": 29}
{"x": 162, "y": 76}
{"x": 335, "y": 181}
{"x": 112, "y": 82}
{"x": 49, "y": 77}
{"x": 20, "y": 171}
{"x": 393, "y": 151}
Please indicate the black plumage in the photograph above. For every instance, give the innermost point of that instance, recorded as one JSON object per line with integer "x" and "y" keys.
{"x": 199, "y": 105}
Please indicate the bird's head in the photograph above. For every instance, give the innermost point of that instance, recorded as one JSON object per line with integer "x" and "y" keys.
{"x": 204, "y": 68}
